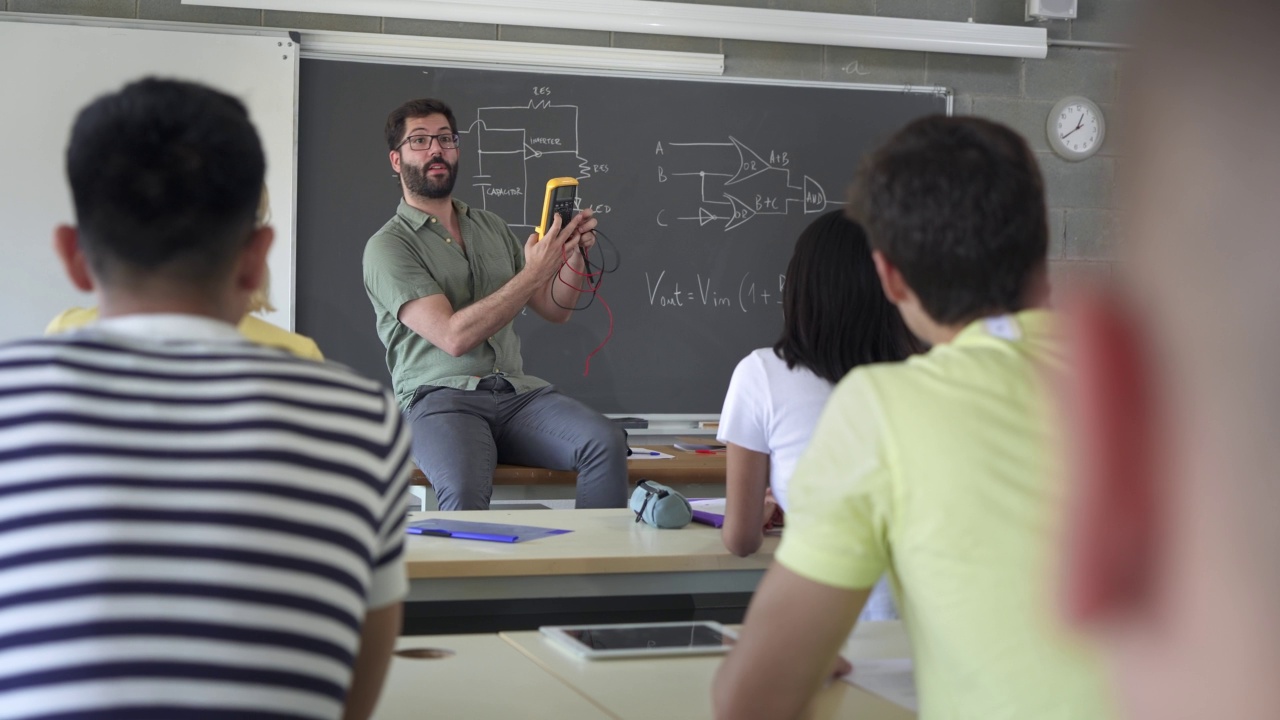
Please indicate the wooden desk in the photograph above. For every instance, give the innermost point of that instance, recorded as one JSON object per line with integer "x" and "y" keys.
{"x": 681, "y": 687}
{"x": 606, "y": 548}
{"x": 485, "y": 678}
{"x": 608, "y": 555}
{"x": 685, "y": 467}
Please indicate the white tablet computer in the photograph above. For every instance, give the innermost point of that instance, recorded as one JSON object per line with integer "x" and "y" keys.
{"x": 597, "y": 642}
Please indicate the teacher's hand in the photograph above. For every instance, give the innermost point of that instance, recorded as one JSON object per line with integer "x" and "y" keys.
{"x": 544, "y": 256}
{"x": 586, "y": 231}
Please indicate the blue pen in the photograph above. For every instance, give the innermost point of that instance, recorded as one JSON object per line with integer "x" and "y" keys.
{"x": 644, "y": 452}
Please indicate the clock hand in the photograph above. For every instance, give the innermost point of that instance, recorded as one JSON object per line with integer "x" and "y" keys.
{"x": 1079, "y": 126}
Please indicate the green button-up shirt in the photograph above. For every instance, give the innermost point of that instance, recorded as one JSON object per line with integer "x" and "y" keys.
{"x": 414, "y": 256}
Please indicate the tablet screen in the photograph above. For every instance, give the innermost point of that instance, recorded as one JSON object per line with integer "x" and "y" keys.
{"x": 691, "y": 635}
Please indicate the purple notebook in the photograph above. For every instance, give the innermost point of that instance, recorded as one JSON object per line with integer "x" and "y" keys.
{"x": 489, "y": 532}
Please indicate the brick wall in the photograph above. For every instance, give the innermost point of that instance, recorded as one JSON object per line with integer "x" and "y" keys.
{"x": 1017, "y": 92}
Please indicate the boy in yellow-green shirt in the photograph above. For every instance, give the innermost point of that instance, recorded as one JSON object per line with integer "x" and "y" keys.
{"x": 937, "y": 469}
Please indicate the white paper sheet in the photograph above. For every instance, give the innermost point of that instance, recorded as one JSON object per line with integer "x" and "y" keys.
{"x": 638, "y": 453}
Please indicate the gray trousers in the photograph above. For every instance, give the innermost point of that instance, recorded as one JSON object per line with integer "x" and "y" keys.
{"x": 459, "y": 436}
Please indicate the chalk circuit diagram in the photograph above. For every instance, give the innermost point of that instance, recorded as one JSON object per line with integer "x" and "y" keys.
{"x": 516, "y": 149}
{"x": 730, "y": 184}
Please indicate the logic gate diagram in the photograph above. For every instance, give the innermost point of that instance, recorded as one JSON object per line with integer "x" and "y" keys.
{"x": 729, "y": 184}
{"x": 517, "y": 149}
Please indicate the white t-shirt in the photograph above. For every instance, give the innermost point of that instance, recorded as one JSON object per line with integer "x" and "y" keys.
{"x": 773, "y": 409}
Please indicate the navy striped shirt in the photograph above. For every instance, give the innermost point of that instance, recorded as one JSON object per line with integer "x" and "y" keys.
{"x": 190, "y": 525}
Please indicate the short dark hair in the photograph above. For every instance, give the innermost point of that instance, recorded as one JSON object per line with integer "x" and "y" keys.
{"x": 421, "y": 107}
{"x": 957, "y": 205}
{"x": 166, "y": 177}
{"x": 835, "y": 315}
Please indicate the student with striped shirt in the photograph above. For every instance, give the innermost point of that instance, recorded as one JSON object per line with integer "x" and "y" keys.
{"x": 191, "y": 525}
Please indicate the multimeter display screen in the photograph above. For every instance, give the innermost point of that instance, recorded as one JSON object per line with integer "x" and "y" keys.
{"x": 562, "y": 202}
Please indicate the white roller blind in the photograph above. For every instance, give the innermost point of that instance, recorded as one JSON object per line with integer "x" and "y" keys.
{"x": 53, "y": 69}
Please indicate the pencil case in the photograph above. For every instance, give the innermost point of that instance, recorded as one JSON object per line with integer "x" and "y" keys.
{"x": 660, "y": 506}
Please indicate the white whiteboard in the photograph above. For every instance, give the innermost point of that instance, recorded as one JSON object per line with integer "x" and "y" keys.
{"x": 51, "y": 71}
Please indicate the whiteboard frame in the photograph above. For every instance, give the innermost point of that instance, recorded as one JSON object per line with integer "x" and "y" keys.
{"x": 285, "y": 206}
{"x": 659, "y": 423}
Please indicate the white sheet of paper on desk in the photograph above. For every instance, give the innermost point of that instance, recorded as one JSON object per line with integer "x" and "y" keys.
{"x": 714, "y": 505}
{"x": 647, "y": 454}
{"x": 894, "y": 680}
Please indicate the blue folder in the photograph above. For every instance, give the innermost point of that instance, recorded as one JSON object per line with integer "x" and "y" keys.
{"x": 490, "y": 532}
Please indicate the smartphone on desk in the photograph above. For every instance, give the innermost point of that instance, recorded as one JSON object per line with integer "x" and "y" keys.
{"x": 562, "y": 200}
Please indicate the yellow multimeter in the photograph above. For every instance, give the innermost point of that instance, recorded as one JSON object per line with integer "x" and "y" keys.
{"x": 562, "y": 199}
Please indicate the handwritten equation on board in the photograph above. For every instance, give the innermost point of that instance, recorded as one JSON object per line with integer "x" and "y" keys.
{"x": 750, "y": 293}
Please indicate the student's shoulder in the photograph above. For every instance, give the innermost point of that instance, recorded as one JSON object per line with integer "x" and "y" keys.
{"x": 30, "y": 363}
{"x": 71, "y": 319}
{"x": 328, "y": 371}
{"x": 755, "y": 366}
{"x": 34, "y": 349}
{"x": 328, "y": 381}
{"x": 875, "y": 389}
{"x": 761, "y": 358}
{"x": 978, "y": 360}
{"x": 895, "y": 387}
{"x": 335, "y": 397}
{"x": 946, "y": 379}
{"x": 266, "y": 363}
{"x": 262, "y": 332}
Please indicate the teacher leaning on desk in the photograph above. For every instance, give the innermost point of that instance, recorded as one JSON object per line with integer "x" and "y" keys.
{"x": 446, "y": 281}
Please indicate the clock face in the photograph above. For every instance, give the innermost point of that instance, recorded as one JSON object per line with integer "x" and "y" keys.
{"x": 1076, "y": 128}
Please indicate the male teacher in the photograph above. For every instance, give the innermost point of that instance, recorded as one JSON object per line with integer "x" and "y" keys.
{"x": 446, "y": 281}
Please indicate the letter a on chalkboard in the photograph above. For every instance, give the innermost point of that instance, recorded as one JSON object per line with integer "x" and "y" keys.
{"x": 659, "y": 151}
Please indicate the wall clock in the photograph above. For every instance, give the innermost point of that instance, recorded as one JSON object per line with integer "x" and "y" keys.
{"x": 1076, "y": 128}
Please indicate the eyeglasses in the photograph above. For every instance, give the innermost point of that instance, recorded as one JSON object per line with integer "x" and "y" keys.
{"x": 448, "y": 141}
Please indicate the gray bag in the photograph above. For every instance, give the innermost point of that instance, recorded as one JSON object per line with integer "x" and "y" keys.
{"x": 660, "y": 506}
